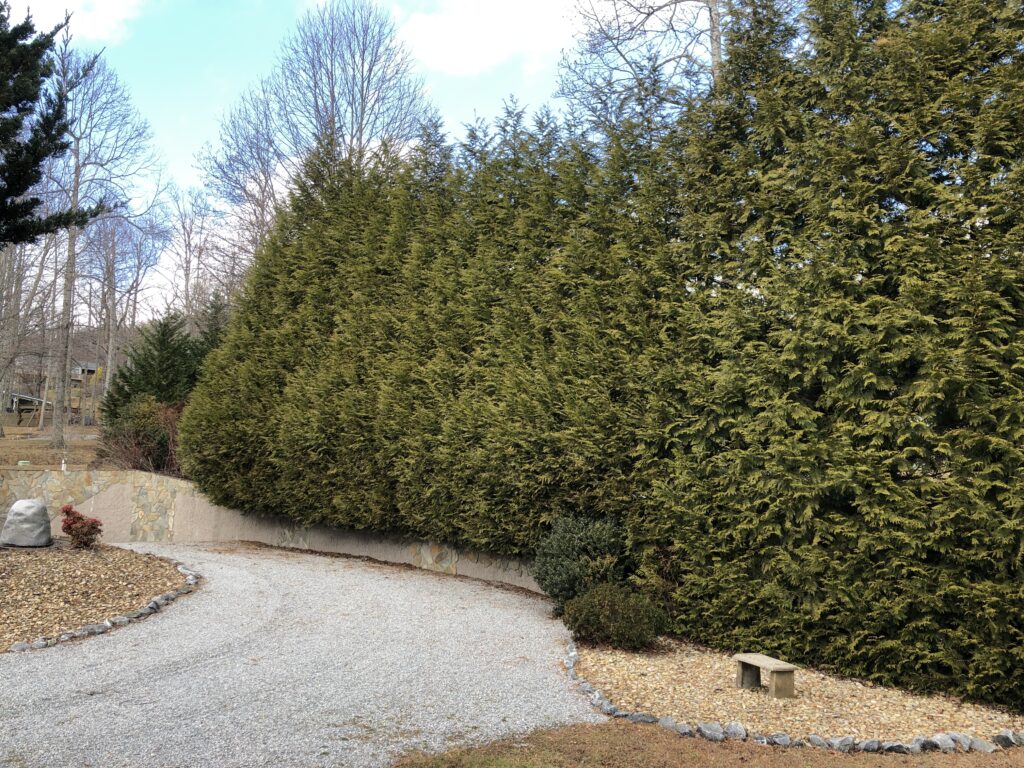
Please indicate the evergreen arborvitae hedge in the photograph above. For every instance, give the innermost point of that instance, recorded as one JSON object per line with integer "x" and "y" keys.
{"x": 780, "y": 341}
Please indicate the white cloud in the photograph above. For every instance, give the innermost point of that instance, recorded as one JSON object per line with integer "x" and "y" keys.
{"x": 92, "y": 21}
{"x": 471, "y": 37}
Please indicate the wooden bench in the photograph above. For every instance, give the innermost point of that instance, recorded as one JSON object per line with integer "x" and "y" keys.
{"x": 780, "y": 674}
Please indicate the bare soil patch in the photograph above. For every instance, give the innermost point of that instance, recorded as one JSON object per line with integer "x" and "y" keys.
{"x": 620, "y": 745}
{"x": 693, "y": 684}
{"x": 44, "y": 592}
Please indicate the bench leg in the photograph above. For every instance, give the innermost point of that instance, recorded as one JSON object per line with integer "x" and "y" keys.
{"x": 747, "y": 675}
{"x": 780, "y": 685}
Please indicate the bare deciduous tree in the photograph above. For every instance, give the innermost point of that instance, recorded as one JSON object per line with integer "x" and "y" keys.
{"x": 189, "y": 251}
{"x": 25, "y": 284}
{"x": 636, "y": 53}
{"x": 245, "y": 172}
{"x": 342, "y": 80}
{"x": 109, "y": 156}
{"x": 118, "y": 254}
{"x": 343, "y": 75}
{"x": 197, "y": 264}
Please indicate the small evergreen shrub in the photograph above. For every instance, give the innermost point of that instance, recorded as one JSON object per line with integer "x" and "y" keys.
{"x": 611, "y": 614}
{"x": 162, "y": 363}
{"x": 577, "y": 555}
{"x": 82, "y": 530}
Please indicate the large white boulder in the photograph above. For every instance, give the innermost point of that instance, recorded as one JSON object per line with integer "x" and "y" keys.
{"x": 28, "y": 525}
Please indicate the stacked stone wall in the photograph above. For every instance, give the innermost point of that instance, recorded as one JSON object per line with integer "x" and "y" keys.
{"x": 139, "y": 506}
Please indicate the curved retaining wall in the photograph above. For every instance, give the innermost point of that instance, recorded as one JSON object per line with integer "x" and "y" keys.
{"x": 139, "y": 506}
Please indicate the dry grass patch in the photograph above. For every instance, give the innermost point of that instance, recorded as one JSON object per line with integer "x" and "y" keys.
{"x": 623, "y": 745}
{"x": 693, "y": 684}
{"x": 44, "y": 592}
{"x": 28, "y": 444}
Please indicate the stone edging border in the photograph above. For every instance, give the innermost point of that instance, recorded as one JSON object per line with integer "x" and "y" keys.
{"x": 191, "y": 582}
{"x": 940, "y": 742}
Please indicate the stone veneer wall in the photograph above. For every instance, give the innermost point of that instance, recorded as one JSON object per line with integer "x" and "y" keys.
{"x": 139, "y": 506}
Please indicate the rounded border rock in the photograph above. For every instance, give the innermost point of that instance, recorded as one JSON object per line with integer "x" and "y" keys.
{"x": 192, "y": 579}
{"x": 947, "y": 743}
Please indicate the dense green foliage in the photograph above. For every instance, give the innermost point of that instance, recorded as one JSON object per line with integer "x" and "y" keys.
{"x": 163, "y": 363}
{"x": 578, "y": 554}
{"x": 610, "y": 614}
{"x": 32, "y": 130}
{"x": 780, "y": 342}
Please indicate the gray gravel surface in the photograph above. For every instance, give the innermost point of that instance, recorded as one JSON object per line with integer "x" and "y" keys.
{"x": 289, "y": 659}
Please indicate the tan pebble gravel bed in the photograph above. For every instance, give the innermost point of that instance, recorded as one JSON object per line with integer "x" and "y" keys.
{"x": 693, "y": 684}
{"x": 44, "y": 592}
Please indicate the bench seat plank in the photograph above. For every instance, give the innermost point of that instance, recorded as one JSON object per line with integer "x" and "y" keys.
{"x": 764, "y": 662}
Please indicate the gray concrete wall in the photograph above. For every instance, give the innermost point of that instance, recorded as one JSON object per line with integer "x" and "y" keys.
{"x": 138, "y": 506}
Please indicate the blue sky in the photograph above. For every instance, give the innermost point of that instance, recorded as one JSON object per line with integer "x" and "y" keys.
{"x": 186, "y": 61}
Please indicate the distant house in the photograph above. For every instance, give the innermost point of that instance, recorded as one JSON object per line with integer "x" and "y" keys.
{"x": 85, "y": 372}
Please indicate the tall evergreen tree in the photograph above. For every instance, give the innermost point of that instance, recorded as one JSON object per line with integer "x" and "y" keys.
{"x": 162, "y": 363}
{"x": 213, "y": 321}
{"x": 33, "y": 126}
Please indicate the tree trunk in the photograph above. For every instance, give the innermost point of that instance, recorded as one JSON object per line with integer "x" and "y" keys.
{"x": 10, "y": 324}
{"x": 46, "y": 393}
{"x": 108, "y": 368}
{"x": 52, "y": 301}
{"x": 715, "y": 35}
{"x": 5, "y": 393}
{"x": 94, "y": 366}
{"x": 66, "y": 316}
{"x": 63, "y": 373}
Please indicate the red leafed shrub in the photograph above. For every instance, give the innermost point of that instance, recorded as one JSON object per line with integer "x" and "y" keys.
{"x": 83, "y": 530}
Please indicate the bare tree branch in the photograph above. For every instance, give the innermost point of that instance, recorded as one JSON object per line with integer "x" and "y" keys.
{"x": 109, "y": 156}
{"x": 635, "y": 56}
{"x": 342, "y": 80}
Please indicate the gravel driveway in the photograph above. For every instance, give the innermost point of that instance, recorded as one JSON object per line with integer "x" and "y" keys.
{"x": 289, "y": 659}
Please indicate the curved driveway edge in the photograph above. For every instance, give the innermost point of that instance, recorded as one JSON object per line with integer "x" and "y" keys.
{"x": 291, "y": 659}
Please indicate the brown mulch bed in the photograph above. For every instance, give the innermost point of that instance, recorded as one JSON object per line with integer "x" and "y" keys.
{"x": 694, "y": 684}
{"x": 44, "y": 592}
{"x": 623, "y": 745}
